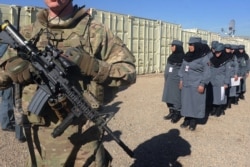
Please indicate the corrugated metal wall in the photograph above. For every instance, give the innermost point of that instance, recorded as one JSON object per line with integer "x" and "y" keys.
{"x": 10, "y": 12}
{"x": 147, "y": 39}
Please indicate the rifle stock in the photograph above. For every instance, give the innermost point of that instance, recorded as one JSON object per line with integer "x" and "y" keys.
{"x": 54, "y": 80}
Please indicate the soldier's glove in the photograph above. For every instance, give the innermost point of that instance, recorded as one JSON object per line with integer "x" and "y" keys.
{"x": 89, "y": 66}
{"x": 5, "y": 80}
{"x": 19, "y": 70}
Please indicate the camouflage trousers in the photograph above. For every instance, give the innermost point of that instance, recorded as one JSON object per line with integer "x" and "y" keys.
{"x": 76, "y": 147}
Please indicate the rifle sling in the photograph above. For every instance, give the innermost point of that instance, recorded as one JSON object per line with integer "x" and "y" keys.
{"x": 27, "y": 130}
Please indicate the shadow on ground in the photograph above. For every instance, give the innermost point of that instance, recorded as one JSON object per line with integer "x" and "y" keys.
{"x": 162, "y": 150}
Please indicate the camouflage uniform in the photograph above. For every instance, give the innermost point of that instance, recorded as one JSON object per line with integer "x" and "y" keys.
{"x": 79, "y": 145}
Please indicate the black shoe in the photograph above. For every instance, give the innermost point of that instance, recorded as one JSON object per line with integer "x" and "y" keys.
{"x": 192, "y": 125}
{"x": 213, "y": 112}
{"x": 223, "y": 112}
{"x": 185, "y": 123}
{"x": 219, "y": 112}
{"x": 242, "y": 96}
{"x": 236, "y": 100}
{"x": 175, "y": 118}
{"x": 169, "y": 116}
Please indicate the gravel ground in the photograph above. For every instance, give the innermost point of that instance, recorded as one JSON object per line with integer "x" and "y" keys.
{"x": 138, "y": 122}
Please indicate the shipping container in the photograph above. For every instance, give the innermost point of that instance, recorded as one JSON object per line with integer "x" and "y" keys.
{"x": 26, "y": 14}
{"x": 149, "y": 40}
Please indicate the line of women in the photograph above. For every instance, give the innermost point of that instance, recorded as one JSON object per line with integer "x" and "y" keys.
{"x": 203, "y": 81}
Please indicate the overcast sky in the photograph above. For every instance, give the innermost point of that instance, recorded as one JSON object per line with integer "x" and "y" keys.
{"x": 210, "y": 15}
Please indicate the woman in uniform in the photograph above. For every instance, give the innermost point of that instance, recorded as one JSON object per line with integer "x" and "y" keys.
{"x": 194, "y": 75}
{"x": 220, "y": 78}
{"x": 243, "y": 61}
{"x": 171, "y": 92}
{"x": 229, "y": 51}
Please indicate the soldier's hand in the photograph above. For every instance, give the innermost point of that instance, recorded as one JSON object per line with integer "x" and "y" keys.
{"x": 89, "y": 65}
{"x": 19, "y": 70}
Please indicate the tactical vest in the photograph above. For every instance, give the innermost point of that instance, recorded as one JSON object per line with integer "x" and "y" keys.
{"x": 80, "y": 34}
{"x": 60, "y": 38}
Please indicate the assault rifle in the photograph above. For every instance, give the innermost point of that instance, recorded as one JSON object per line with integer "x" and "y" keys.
{"x": 54, "y": 80}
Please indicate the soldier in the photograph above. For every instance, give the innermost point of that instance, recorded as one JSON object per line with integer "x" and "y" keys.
{"x": 107, "y": 65}
{"x": 194, "y": 75}
{"x": 171, "y": 92}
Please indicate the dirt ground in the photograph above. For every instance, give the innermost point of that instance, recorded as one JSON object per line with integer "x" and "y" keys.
{"x": 138, "y": 122}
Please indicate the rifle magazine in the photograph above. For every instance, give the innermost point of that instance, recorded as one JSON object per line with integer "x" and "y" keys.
{"x": 38, "y": 102}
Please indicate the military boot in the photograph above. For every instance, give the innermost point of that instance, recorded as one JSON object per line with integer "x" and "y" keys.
{"x": 169, "y": 116}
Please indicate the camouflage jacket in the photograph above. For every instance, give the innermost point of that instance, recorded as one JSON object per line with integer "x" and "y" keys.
{"x": 97, "y": 40}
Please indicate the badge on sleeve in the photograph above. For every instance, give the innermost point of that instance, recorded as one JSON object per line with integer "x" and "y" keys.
{"x": 170, "y": 69}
